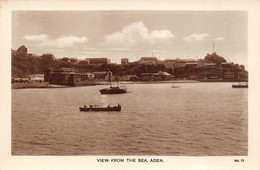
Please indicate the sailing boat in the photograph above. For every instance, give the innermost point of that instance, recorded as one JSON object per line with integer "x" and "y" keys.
{"x": 112, "y": 89}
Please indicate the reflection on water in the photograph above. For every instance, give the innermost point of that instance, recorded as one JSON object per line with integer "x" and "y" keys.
{"x": 195, "y": 119}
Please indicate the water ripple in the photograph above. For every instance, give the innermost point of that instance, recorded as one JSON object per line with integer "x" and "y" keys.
{"x": 155, "y": 120}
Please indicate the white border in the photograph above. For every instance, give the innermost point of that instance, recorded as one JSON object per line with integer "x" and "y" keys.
{"x": 170, "y": 162}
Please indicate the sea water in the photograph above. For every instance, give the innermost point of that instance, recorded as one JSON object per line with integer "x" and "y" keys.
{"x": 196, "y": 119}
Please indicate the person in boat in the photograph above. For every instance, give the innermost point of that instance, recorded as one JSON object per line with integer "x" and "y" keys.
{"x": 90, "y": 106}
{"x": 108, "y": 106}
{"x": 85, "y": 106}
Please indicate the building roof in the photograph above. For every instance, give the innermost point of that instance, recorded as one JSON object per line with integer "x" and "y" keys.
{"x": 102, "y": 58}
{"x": 191, "y": 63}
{"x": 156, "y": 74}
{"x": 149, "y": 58}
{"x": 36, "y": 75}
{"x": 145, "y": 74}
{"x": 210, "y": 64}
{"x": 227, "y": 63}
{"x": 85, "y": 73}
{"x": 100, "y": 72}
{"x": 164, "y": 73}
{"x": 64, "y": 70}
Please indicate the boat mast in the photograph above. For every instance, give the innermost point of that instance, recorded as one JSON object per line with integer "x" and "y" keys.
{"x": 109, "y": 75}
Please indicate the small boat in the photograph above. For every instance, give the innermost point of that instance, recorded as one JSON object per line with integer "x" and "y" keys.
{"x": 173, "y": 86}
{"x": 240, "y": 85}
{"x": 112, "y": 89}
{"x": 98, "y": 109}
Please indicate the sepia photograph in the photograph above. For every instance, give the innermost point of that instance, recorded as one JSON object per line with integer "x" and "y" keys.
{"x": 131, "y": 86}
{"x": 129, "y": 83}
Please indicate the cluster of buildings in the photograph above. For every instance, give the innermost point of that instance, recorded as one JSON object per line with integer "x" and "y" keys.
{"x": 31, "y": 78}
{"x": 225, "y": 71}
{"x": 67, "y": 76}
{"x": 168, "y": 63}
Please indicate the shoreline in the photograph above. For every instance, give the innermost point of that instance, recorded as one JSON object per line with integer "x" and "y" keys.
{"x": 158, "y": 82}
{"x": 35, "y": 85}
{"x": 47, "y": 85}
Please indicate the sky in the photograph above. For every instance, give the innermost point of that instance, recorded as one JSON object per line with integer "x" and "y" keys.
{"x": 132, "y": 34}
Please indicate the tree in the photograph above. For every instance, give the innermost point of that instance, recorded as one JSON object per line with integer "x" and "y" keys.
{"x": 47, "y": 61}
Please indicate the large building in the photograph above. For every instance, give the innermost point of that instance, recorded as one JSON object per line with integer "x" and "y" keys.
{"x": 100, "y": 75}
{"x": 209, "y": 65}
{"x": 68, "y": 77}
{"x": 148, "y": 60}
{"x": 97, "y": 60}
{"x": 229, "y": 75}
{"x": 191, "y": 64}
{"x": 229, "y": 65}
{"x": 63, "y": 76}
{"x": 155, "y": 76}
{"x": 175, "y": 63}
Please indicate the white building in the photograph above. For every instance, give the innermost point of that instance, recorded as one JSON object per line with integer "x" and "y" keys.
{"x": 36, "y": 77}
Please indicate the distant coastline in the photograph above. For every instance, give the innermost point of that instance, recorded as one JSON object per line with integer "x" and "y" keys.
{"x": 47, "y": 85}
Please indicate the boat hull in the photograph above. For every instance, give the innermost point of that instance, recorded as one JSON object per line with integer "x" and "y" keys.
{"x": 107, "y": 109}
{"x": 175, "y": 86}
{"x": 112, "y": 91}
{"x": 240, "y": 86}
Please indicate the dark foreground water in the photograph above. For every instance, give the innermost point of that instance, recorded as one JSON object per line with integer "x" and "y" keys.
{"x": 195, "y": 119}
